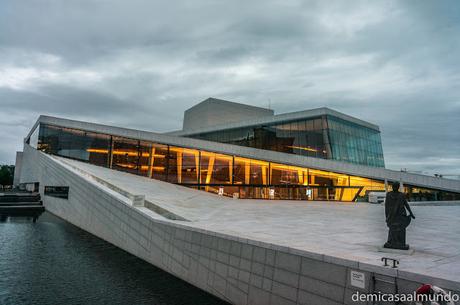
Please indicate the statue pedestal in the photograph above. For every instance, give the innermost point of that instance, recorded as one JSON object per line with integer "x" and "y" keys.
{"x": 396, "y": 251}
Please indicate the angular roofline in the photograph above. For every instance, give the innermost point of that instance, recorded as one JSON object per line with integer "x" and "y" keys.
{"x": 219, "y": 100}
{"x": 279, "y": 118}
{"x": 260, "y": 154}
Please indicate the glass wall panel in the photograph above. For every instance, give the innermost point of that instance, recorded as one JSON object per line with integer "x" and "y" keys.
{"x": 284, "y": 174}
{"x": 355, "y": 143}
{"x": 158, "y": 162}
{"x": 303, "y": 137}
{"x": 216, "y": 168}
{"x": 367, "y": 184}
{"x": 329, "y": 179}
{"x": 241, "y": 171}
{"x": 249, "y": 171}
{"x": 347, "y": 194}
{"x": 76, "y": 144}
{"x": 145, "y": 149}
{"x": 424, "y": 194}
{"x": 130, "y": 156}
{"x": 183, "y": 165}
{"x": 48, "y": 139}
{"x": 174, "y": 163}
{"x": 33, "y": 139}
{"x": 253, "y": 192}
{"x": 126, "y": 155}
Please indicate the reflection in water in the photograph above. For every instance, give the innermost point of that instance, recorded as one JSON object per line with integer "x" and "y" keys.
{"x": 54, "y": 262}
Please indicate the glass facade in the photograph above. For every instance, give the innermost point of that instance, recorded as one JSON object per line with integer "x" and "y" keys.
{"x": 354, "y": 144}
{"x": 424, "y": 194}
{"x": 227, "y": 175}
{"x": 324, "y": 137}
{"x": 75, "y": 144}
{"x": 33, "y": 139}
{"x": 305, "y": 137}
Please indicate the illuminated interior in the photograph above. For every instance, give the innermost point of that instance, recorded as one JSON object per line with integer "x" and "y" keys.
{"x": 227, "y": 175}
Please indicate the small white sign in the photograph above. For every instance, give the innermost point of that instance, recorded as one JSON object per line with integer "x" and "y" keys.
{"x": 138, "y": 200}
{"x": 357, "y": 279}
{"x": 221, "y": 191}
{"x": 271, "y": 193}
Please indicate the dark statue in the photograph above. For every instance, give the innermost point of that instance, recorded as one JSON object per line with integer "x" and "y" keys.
{"x": 397, "y": 218}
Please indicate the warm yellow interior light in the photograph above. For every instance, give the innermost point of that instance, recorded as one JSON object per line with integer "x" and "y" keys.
{"x": 303, "y": 148}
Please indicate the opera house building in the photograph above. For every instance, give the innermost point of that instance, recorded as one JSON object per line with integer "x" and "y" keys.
{"x": 242, "y": 151}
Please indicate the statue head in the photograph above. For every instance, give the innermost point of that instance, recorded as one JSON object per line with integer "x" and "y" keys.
{"x": 395, "y": 186}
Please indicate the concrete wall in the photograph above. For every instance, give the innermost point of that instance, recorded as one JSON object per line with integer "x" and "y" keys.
{"x": 237, "y": 270}
{"x": 213, "y": 112}
{"x": 17, "y": 168}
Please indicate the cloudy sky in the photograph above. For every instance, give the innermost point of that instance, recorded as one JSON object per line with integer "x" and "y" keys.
{"x": 140, "y": 64}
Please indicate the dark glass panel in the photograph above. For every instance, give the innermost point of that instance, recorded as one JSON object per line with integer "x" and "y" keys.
{"x": 183, "y": 165}
{"x": 174, "y": 164}
{"x": 303, "y": 137}
{"x": 248, "y": 171}
{"x": 75, "y": 144}
{"x": 144, "y": 158}
{"x": 33, "y": 139}
{"x": 283, "y": 174}
{"x": 424, "y": 194}
{"x": 283, "y": 138}
{"x": 98, "y": 148}
{"x": 48, "y": 139}
{"x": 126, "y": 155}
{"x": 259, "y": 172}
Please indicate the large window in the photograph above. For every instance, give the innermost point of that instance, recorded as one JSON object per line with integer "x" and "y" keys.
{"x": 216, "y": 168}
{"x": 158, "y": 166}
{"x": 355, "y": 144}
{"x": 33, "y": 139}
{"x": 223, "y": 174}
{"x": 423, "y": 194}
{"x": 125, "y": 155}
{"x": 304, "y": 137}
{"x": 183, "y": 165}
{"x": 367, "y": 184}
{"x": 75, "y": 144}
{"x": 249, "y": 171}
{"x": 145, "y": 149}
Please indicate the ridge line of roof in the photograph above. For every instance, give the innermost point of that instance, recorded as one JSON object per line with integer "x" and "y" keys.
{"x": 219, "y": 100}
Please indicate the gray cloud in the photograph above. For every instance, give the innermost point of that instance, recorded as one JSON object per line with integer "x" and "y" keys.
{"x": 141, "y": 64}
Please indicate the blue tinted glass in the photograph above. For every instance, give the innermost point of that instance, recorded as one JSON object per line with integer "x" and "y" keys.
{"x": 348, "y": 142}
{"x": 355, "y": 143}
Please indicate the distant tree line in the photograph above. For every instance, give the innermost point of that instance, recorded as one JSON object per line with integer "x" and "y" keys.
{"x": 6, "y": 175}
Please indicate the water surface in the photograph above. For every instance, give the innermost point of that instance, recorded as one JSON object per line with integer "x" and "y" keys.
{"x": 54, "y": 262}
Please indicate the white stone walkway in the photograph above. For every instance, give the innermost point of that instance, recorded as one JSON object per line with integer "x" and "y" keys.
{"x": 346, "y": 230}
